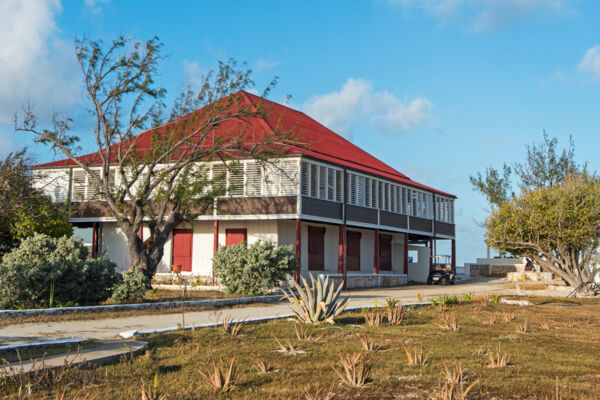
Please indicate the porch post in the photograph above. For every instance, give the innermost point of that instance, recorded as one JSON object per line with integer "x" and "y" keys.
{"x": 406, "y": 253}
{"x": 298, "y": 249}
{"x": 340, "y": 269}
{"x": 376, "y": 253}
{"x": 345, "y": 255}
{"x": 215, "y": 245}
{"x": 141, "y": 232}
{"x": 94, "y": 239}
{"x": 430, "y": 254}
{"x": 454, "y": 255}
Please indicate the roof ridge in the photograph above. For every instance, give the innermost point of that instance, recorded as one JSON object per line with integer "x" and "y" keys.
{"x": 261, "y": 119}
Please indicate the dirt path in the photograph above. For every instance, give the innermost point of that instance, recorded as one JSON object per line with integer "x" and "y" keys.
{"x": 102, "y": 329}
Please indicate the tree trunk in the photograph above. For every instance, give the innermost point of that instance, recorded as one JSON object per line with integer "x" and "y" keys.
{"x": 146, "y": 258}
{"x": 570, "y": 278}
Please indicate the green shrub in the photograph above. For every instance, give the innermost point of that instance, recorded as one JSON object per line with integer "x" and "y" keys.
{"x": 42, "y": 249}
{"x": 45, "y": 271}
{"x": 253, "y": 269}
{"x": 132, "y": 288}
{"x": 446, "y": 300}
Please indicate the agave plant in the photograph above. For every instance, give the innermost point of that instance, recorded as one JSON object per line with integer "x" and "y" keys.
{"x": 317, "y": 302}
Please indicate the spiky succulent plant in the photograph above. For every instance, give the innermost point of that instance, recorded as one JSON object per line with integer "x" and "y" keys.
{"x": 317, "y": 302}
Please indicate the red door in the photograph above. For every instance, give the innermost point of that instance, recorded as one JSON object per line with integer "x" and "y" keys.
{"x": 353, "y": 252}
{"x": 316, "y": 248}
{"x": 235, "y": 236}
{"x": 385, "y": 252}
{"x": 182, "y": 248}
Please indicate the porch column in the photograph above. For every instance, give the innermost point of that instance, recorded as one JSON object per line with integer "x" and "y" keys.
{"x": 215, "y": 245}
{"x": 406, "y": 253}
{"x": 141, "y": 232}
{"x": 345, "y": 255}
{"x": 454, "y": 255}
{"x": 376, "y": 253}
{"x": 430, "y": 254}
{"x": 298, "y": 249}
{"x": 342, "y": 229}
{"x": 94, "y": 239}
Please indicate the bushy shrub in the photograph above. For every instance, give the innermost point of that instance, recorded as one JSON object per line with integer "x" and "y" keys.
{"x": 42, "y": 249}
{"x": 253, "y": 269}
{"x": 228, "y": 264}
{"x": 45, "y": 271}
{"x": 132, "y": 288}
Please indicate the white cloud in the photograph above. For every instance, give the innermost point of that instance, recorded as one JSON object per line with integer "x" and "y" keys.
{"x": 486, "y": 15}
{"x": 591, "y": 61}
{"x": 36, "y": 65}
{"x": 194, "y": 74}
{"x": 395, "y": 115}
{"x": 357, "y": 102}
{"x": 95, "y": 6}
{"x": 263, "y": 64}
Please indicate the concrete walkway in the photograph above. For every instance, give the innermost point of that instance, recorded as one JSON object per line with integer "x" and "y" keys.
{"x": 103, "y": 329}
{"x": 108, "y": 352}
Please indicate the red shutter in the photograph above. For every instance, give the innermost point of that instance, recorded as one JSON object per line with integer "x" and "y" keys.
{"x": 182, "y": 248}
{"x": 235, "y": 236}
{"x": 385, "y": 252}
{"x": 316, "y": 248}
{"x": 353, "y": 257}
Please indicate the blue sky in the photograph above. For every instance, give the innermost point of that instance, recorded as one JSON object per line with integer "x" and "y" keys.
{"x": 439, "y": 89}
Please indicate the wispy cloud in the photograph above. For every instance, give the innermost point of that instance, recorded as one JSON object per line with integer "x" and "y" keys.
{"x": 193, "y": 74}
{"x": 36, "y": 65}
{"x": 263, "y": 64}
{"x": 357, "y": 102}
{"x": 488, "y": 15}
{"x": 95, "y": 6}
{"x": 591, "y": 62}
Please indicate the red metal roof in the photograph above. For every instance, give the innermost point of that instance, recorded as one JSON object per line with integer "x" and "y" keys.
{"x": 318, "y": 142}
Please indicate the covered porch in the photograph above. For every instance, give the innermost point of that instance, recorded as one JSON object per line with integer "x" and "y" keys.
{"x": 361, "y": 257}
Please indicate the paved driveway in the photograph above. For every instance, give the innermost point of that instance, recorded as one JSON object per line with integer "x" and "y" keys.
{"x": 103, "y": 329}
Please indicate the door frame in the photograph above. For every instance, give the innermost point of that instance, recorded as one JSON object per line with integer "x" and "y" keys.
{"x": 320, "y": 231}
{"x": 358, "y": 235}
{"x": 234, "y": 231}
{"x": 389, "y": 238}
{"x": 191, "y": 232}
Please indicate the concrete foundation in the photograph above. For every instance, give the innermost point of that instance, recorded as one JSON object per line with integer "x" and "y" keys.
{"x": 357, "y": 281}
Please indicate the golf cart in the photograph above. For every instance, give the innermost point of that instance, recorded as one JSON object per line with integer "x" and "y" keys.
{"x": 442, "y": 272}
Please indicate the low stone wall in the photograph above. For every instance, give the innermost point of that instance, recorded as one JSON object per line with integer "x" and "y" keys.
{"x": 490, "y": 270}
{"x": 502, "y": 270}
{"x": 167, "y": 278}
{"x": 478, "y": 269}
{"x": 142, "y": 306}
{"x": 368, "y": 281}
{"x": 532, "y": 276}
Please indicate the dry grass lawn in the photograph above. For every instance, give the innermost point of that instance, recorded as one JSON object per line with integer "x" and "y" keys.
{"x": 562, "y": 341}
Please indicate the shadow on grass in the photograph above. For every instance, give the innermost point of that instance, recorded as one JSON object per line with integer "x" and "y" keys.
{"x": 168, "y": 368}
{"x": 167, "y": 339}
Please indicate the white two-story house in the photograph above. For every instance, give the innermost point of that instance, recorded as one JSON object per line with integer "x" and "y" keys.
{"x": 347, "y": 214}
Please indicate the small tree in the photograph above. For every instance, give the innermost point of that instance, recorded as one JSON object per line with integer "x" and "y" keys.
{"x": 25, "y": 210}
{"x": 161, "y": 177}
{"x": 553, "y": 221}
{"x": 557, "y": 227}
{"x": 544, "y": 166}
